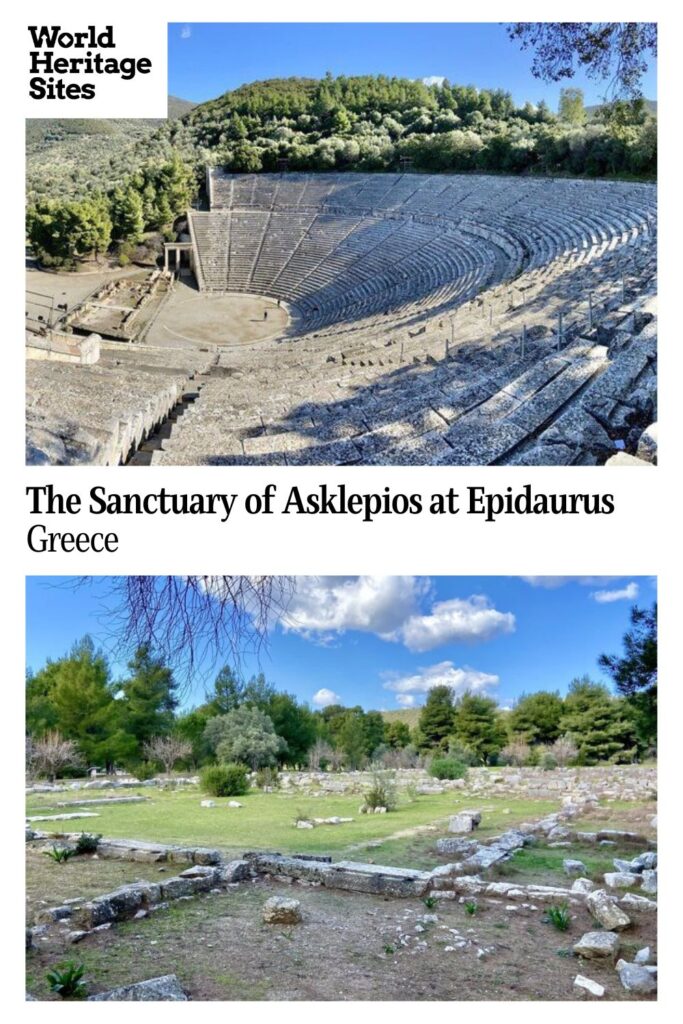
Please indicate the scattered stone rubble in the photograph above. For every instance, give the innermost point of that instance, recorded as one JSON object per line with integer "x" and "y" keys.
{"x": 205, "y": 871}
{"x": 111, "y": 783}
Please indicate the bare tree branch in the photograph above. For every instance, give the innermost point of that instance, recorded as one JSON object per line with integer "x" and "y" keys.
{"x": 192, "y": 621}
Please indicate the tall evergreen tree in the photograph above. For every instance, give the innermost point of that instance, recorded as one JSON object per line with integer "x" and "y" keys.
{"x": 436, "y": 718}
{"x": 536, "y": 717}
{"x": 635, "y": 671}
{"x": 147, "y": 697}
{"x": 477, "y": 726}
{"x": 601, "y": 726}
{"x": 74, "y": 695}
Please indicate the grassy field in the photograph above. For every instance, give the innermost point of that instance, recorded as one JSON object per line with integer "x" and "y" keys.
{"x": 266, "y": 820}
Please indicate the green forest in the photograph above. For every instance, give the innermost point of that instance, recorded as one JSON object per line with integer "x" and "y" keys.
{"x": 90, "y": 192}
{"x": 78, "y": 717}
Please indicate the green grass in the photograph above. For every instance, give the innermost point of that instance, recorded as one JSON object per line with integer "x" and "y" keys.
{"x": 541, "y": 864}
{"x": 266, "y": 821}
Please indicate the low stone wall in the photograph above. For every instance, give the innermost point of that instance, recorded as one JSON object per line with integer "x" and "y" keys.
{"x": 356, "y": 876}
{"x": 131, "y": 783}
{"x": 140, "y": 898}
{"x": 137, "y": 849}
{"x": 618, "y": 782}
{"x": 602, "y": 782}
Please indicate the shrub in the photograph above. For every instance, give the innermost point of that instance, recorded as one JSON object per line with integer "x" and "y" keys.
{"x": 145, "y": 770}
{"x": 88, "y": 843}
{"x": 447, "y": 768}
{"x": 470, "y": 907}
{"x": 67, "y": 980}
{"x": 459, "y": 752}
{"x": 558, "y": 916}
{"x": 411, "y": 793}
{"x": 267, "y": 778}
{"x": 548, "y": 762}
{"x": 382, "y": 792}
{"x": 225, "y": 780}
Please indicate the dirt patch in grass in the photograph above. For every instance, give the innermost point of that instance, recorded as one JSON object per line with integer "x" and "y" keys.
{"x": 48, "y": 884}
{"x": 349, "y": 947}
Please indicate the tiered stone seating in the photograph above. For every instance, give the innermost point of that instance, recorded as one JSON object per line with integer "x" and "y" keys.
{"x": 101, "y": 416}
{"x": 410, "y": 297}
{"x": 372, "y": 392}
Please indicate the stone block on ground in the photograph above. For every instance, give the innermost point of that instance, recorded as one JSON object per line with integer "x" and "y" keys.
{"x": 573, "y": 868}
{"x": 594, "y": 945}
{"x": 589, "y": 985}
{"x": 604, "y": 909}
{"x": 464, "y": 821}
{"x": 163, "y": 989}
{"x": 235, "y": 871}
{"x": 641, "y": 904}
{"x": 281, "y": 910}
{"x": 583, "y": 886}
{"x": 644, "y": 861}
{"x": 462, "y": 847}
{"x": 636, "y": 978}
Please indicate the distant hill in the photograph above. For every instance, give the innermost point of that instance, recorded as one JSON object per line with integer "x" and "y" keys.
{"x": 44, "y": 132}
{"x": 178, "y": 107}
{"x": 410, "y": 716}
{"x": 592, "y": 111}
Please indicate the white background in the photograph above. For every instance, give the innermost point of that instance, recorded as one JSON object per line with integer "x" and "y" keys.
{"x": 641, "y": 537}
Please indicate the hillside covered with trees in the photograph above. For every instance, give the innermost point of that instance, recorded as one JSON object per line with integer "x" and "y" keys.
{"x": 365, "y": 123}
{"x": 372, "y": 123}
{"x": 78, "y": 716}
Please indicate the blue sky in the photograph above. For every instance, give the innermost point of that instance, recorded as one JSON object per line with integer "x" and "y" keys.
{"x": 382, "y": 641}
{"x": 205, "y": 60}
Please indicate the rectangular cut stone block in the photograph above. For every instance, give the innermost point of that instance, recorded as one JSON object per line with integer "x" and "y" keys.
{"x": 276, "y": 864}
{"x": 234, "y": 871}
{"x": 174, "y": 888}
{"x": 376, "y": 878}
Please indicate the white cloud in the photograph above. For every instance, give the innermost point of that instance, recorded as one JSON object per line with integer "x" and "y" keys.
{"x": 406, "y": 700}
{"x": 627, "y": 593}
{"x": 324, "y": 697}
{"x": 434, "y": 80}
{"x": 445, "y": 673}
{"x": 370, "y": 604}
{"x": 552, "y": 582}
{"x": 185, "y": 32}
{"x": 460, "y": 620}
{"x": 389, "y": 607}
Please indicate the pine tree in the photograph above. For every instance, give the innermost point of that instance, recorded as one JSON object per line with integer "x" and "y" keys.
{"x": 127, "y": 215}
{"x": 147, "y": 698}
{"x": 436, "y": 718}
{"x": 478, "y": 727}
{"x": 536, "y": 717}
{"x": 635, "y": 672}
{"x": 601, "y": 726}
{"x": 75, "y": 696}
